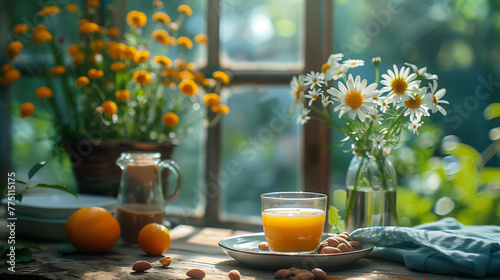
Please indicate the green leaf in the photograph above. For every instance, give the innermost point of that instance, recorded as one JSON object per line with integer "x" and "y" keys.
{"x": 492, "y": 111}
{"x": 31, "y": 246}
{"x": 57, "y": 187}
{"x": 21, "y": 182}
{"x": 36, "y": 168}
{"x": 19, "y": 197}
{"x": 24, "y": 255}
{"x": 66, "y": 248}
{"x": 3, "y": 190}
{"x": 333, "y": 215}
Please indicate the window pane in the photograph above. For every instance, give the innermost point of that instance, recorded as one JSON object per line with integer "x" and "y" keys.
{"x": 259, "y": 148}
{"x": 262, "y": 34}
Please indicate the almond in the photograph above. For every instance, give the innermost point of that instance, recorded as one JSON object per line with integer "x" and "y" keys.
{"x": 304, "y": 276}
{"x": 319, "y": 274}
{"x": 234, "y": 275}
{"x": 332, "y": 241}
{"x": 196, "y": 273}
{"x": 356, "y": 244}
{"x": 328, "y": 250}
{"x": 283, "y": 274}
{"x": 344, "y": 248}
{"x": 343, "y": 235}
{"x": 140, "y": 266}
{"x": 166, "y": 261}
{"x": 297, "y": 271}
{"x": 264, "y": 246}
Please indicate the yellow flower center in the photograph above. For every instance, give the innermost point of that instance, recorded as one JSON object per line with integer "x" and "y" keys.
{"x": 297, "y": 93}
{"x": 413, "y": 103}
{"x": 374, "y": 118}
{"x": 314, "y": 96}
{"x": 434, "y": 99}
{"x": 315, "y": 80}
{"x": 354, "y": 99}
{"x": 399, "y": 85}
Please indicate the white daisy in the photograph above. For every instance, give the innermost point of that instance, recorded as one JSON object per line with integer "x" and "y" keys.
{"x": 422, "y": 72}
{"x": 303, "y": 118}
{"x": 325, "y": 100}
{"x": 313, "y": 95}
{"x": 433, "y": 99}
{"x": 382, "y": 103}
{"x": 414, "y": 126}
{"x": 376, "y": 117}
{"x": 400, "y": 84}
{"x": 336, "y": 72}
{"x": 314, "y": 79}
{"x": 416, "y": 107}
{"x": 356, "y": 98}
{"x": 353, "y": 63}
{"x": 335, "y": 58}
{"x": 379, "y": 142}
{"x": 297, "y": 91}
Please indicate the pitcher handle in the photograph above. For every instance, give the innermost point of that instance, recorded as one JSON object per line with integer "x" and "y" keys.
{"x": 172, "y": 166}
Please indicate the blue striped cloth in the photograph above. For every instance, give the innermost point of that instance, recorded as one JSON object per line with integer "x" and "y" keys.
{"x": 442, "y": 247}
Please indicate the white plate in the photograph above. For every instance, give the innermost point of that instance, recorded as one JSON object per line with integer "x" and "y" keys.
{"x": 244, "y": 248}
{"x": 58, "y": 205}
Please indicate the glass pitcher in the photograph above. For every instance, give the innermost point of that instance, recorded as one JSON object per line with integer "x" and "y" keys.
{"x": 142, "y": 196}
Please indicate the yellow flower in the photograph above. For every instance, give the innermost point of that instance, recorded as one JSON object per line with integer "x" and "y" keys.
{"x": 72, "y": 8}
{"x": 136, "y": 19}
{"x": 142, "y": 77}
{"x": 117, "y": 66}
{"x": 185, "y": 42}
{"x": 78, "y": 58}
{"x": 73, "y": 49}
{"x": 113, "y": 31}
{"x": 96, "y": 46}
{"x": 95, "y": 73}
{"x": 141, "y": 56}
{"x": 10, "y": 76}
{"x": 180, "y": 63}
{"x": 93, "y": 3}
{"x": 82, "y": 81}
{"x": 109, "y": 107}
{"x": 129, "y": 52}
{"x": 41, "y": 36}
{"x": 27, "y": 109}
{"x": 43, "y": 92}
{"x": 170, "y": 119}
{"x": 221, "y": 76}
{"x": 161, "y": 36}
{"x": 172, "y": 73}
{"x": 57, "y": 70}
{"x": 185, "y": 9}
{"x": 14, "y": 49}
{"x": 199, "y": 76}
{"x": 188, "y": 87}
{"x": 201, "y": 38}
{"x": 89, "y": 27}
{"x": 186, "y": 75}
{"x": 163, "y": 60}
{"x": 161, "y": 17}
{"x": 20, "y": 28}
{"x": 220, "y": 109}
{"x": 158, "y": 4}
{"x": 122, "y": 95}
{"x": 211, "y": 99}
{"x": 49, "y": 10}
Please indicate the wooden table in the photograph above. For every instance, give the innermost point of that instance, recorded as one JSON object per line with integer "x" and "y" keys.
{"x": 192, "y": 247}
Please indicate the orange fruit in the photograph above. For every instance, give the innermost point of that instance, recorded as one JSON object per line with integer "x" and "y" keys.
{"x": 92, "y": 229}
{"x": 154, "y": 239}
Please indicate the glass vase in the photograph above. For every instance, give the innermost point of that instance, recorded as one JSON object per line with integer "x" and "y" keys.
{"x": 371, "y": 192}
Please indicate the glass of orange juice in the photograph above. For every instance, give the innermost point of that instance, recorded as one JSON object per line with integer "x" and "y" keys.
{"x": 293, "y": 221}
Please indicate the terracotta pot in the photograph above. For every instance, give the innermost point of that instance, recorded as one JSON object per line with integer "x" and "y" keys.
{"x": 94, "y": 163}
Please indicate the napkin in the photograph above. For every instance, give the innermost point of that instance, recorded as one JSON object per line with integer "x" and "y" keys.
{"x": 442, "y": 247}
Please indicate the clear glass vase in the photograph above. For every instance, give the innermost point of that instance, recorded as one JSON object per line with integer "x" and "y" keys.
{"x": 371, "y": 192}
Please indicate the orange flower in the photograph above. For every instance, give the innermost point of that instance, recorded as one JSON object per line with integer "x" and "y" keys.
{"x": 190, "y": 66}
{"x": 82, "y": 81}
{"x": 188, "y": 87}
{"x": 89, "y": 27}
{"x": 221, "y": 76}
{"x": 57, "y": 70}
{"x": 181, "y": 64}
{"x": 72, "y": 8}
{"x": 185, "y": 42}
{"x": 161, "y": 17}
{"x": 186, "y": 75}
{"x": 158, "y": 4}
{"x": 41, "y": 36}
{"x": 141, "y": 56}
{"x": 49, "y": 10}
{"x": 137, "y": 19}
{"x": 117, "y": 66}
{"x": 129, "y": 52}
{"x": 43, "y": 92}
{"x": 14, "y": 49}
{"x": 122, "y": 95}
{"x": 199, "y": 76}
{"x": 142, "y": 77}
{"x": 95, "y": 73}
{"x": 93, "y": 3}
{"x": 20, "y": 28}
{"x": 201, "y": 38}
{"x": 163, "y": 60}
{"x": 161, "y": 36}
{"x": 185, "y": 9}
{"x": 211, "y": 99}
{"x": 109, "y": 107}
{"x": 220, "y": 109}
{"x": 10, "y": 76}
{"x": 78, "y": 58}
{"x": 73, "y": 49}
{"x": 27, "y": 109}
{"x": 114, "y": 31}
{"x": 172, "y": 73}
{"x": 96, "y": 46}
{"x": 170, "y": 119}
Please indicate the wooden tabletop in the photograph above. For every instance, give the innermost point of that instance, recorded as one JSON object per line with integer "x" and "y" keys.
{"x": 192, "y": 247}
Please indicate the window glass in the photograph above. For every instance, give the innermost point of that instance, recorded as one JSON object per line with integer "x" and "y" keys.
{"x": 260, "y": 148}
{"x": 262, "y": 34}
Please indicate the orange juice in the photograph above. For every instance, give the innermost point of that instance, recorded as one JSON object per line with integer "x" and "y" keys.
{"x": 293, "y": 229}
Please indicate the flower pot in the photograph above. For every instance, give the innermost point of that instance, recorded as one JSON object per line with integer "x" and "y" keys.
{"x": 94, "y": 162}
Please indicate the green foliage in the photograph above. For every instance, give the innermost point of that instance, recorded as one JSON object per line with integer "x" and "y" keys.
{"x": 23, "y": 251}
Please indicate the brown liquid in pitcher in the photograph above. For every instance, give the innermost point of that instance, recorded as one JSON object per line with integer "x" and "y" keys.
{"x": 133, "y": 217}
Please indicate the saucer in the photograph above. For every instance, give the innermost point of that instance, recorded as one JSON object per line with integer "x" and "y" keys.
{"x": 244, "y": 248}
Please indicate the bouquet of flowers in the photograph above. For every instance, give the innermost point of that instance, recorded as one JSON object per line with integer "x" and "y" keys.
{"x": 139, "y": 85}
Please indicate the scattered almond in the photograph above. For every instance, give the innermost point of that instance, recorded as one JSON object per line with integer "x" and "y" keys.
{"x": 166, "y": 261}
{"x": 297, "y": 271}
{"x": 196, "y": 273}
{"x": 283, "y": 274}
{"x": 234, "y": 275}
{"x": 319, "y": 274}
{"x": 304, "y": 276}
{"x": 264, "y": 246}
{"x": 140, "y": 266}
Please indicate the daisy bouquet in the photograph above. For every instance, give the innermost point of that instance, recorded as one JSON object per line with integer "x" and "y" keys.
{"x": 372, "y": 115}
